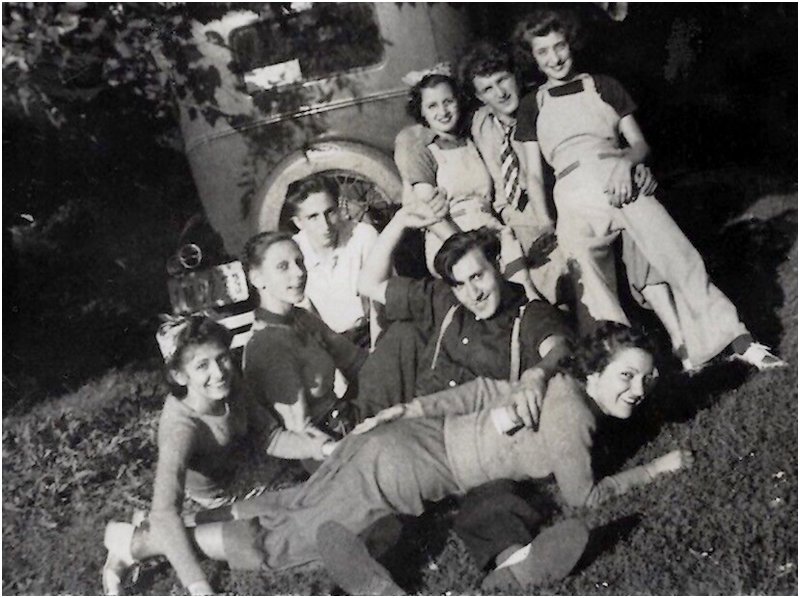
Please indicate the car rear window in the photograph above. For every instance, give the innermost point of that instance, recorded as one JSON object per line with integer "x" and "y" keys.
{"x": 316, "y": 42}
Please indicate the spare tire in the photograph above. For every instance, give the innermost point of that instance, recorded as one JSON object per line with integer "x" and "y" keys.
{"x": 370, "y": 186}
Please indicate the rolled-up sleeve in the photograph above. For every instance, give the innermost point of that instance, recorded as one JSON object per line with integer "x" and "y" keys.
{"x": 541, "y": 321}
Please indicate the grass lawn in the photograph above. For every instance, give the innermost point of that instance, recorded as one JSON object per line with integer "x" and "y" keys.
{"x": 727, "y": 526}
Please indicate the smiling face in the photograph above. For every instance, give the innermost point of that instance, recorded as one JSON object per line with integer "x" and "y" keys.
{"x": 622, "y": 385}
{"x": 499, "y": 91}
{"x": 478, "y": 285}
{"x": 318, "y": 215}
{"x": 553, "y": 56}
{"x": 281, "y": 276}
{"x": 206, "y": 371}
{"x": 439, "y": 108}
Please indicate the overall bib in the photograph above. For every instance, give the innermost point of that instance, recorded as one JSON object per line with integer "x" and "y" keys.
{"x": 578, "y": 135}
{"x": 462, "y": 174}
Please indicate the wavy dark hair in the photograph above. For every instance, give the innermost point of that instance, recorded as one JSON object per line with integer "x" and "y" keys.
{"x": 482, "y": 59}
{"x": 540, "y": 23}
{"x": 414, "y": 103}
{"x": 299, "y": 191}
{"x": 459, "y": 244}
{"x": 596, "y": 350}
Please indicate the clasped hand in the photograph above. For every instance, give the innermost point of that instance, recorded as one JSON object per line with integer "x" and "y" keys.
{"x": 627, "y": 182}
{"x": 419, "y": 213}
{"x": 527, "y": 397}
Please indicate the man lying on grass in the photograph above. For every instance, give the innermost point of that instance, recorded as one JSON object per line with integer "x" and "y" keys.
{"x": 435, "y": 446}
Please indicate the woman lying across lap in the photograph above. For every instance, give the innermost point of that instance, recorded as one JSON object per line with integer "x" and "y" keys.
{"x": 434, "y": 450}
{"x": 437, "y": 156}
{"x": 291, "y": 359}
{"x": 204, "y": 430}
{"x": 578, "y": 123}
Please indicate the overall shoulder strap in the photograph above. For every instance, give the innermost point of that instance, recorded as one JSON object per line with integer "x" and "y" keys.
{"x": 448, "y": 318}
{"x": 514, "y": 367}
{"x": 540, "y": 93}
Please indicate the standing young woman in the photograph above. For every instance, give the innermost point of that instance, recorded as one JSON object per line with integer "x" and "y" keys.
{"x": 443, "y": 444}
{"x": 577, "y": 122}
{"x": 437, "y": 155}
{"x": 290, "y": 361}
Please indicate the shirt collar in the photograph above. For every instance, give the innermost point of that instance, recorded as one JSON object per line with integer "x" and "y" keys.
{"x": 312, "y": 258}
{"x": 512, "y": 297}
{"x": 268, "y": 317}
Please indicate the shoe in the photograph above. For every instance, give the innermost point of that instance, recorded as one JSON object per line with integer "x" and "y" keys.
{"x": 382, "y": 536}
{"x": 688, "y": 368}
{"x": 350, "y": 565}
{"x": 760, "y": 356}
{"x": 117, "y": 540}
{"x": 550, "y": 557}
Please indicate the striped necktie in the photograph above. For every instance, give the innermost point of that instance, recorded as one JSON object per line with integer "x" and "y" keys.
{"x": 509, "y": 168}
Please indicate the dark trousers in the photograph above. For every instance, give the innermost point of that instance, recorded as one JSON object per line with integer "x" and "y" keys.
{"x": 493, "y": 517}
{"x": 389, "y": 374}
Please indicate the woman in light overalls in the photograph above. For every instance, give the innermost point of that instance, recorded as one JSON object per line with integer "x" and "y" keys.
{"x": 577, "y": 121}
{"x": 436, "y": 155}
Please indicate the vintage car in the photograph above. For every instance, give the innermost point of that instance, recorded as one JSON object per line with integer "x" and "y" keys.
{"x": 313, "y": 88}
{"x": 267, "y": 100}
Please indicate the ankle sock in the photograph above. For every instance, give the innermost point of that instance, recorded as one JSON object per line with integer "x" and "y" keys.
{"x": 118, "y": 539}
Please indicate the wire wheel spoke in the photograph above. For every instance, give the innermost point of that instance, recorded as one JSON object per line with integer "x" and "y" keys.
{"x": 362, "y": 200}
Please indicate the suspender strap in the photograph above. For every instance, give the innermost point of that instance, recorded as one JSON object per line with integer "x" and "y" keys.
{"x": 514, "y": 367}
{"x": 448, "y": 318}
{"x": 515, "y": 352}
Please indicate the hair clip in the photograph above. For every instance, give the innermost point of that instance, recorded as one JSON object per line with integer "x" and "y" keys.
{"x": 414, "y": 77}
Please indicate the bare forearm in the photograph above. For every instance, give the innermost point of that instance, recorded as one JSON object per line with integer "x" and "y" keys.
{"x": 444, "y": 229}
{"x": 637, "y": 153}
{"x": 558, "y": 351}
{"x": 378, "y": 268}
{"x": 287, "y": 444}
{"x": 173, "y": 539}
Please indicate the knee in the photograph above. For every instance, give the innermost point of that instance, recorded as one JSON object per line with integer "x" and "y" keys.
{"x": 243, "y": 543}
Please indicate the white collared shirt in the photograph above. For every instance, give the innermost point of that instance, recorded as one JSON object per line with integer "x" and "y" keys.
{"x": 332, "y": 285}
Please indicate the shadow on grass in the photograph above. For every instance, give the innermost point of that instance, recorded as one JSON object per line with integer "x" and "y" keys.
{"x": 743, "y": 258}
{"x": 604, "y": 538}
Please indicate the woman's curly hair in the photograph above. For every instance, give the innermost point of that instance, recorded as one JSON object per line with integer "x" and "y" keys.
{"x": 540, "y": 23}
{"x": 414, "y": 103}
{"x": 596, "y": 350}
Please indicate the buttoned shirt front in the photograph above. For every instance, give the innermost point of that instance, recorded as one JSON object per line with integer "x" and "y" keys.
{"x": 332, "y": 285}
{"x": 470, "y": 348}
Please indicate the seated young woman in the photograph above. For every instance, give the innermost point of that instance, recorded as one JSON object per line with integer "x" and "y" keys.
{"x": 206, "y": 425}
{"x": 442, "y": 444}
{"x": 436, "y": 155}
{"x": 584, "y": 126}
{"x": 291, "y": 359}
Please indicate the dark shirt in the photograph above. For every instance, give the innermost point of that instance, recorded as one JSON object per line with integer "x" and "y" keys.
{"x": 470, "y": 348}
